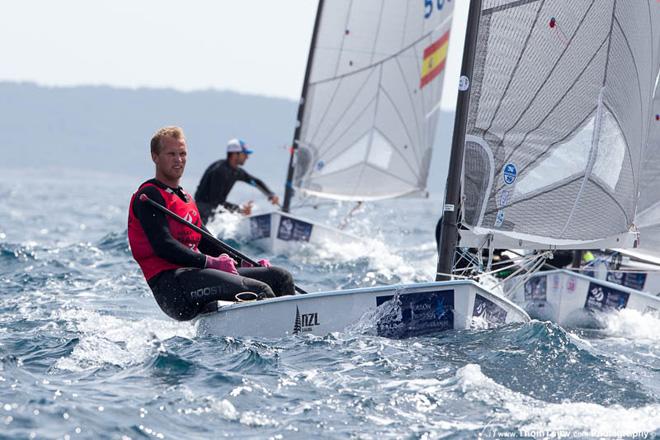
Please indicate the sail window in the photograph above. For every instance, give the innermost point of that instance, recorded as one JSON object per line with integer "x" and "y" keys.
{"x": 353, "y": 155}
{"x": 611, "y": 151}
{"x": 565, "y": 160}
{"x": 381, "y": 151}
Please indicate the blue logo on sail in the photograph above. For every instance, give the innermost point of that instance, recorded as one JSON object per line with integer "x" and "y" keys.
{"x": 510, "y": 173}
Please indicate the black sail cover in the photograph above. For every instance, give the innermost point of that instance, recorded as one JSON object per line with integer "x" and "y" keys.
{"x": 558, "y": 122}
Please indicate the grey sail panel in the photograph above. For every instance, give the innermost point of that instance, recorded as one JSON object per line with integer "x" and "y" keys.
{"x": 373, "y": 97}
{"x": 648, "y": 216}
{"x": 557, "y": 122}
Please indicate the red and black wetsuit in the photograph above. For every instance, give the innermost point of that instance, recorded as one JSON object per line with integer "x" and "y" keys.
{"x": 217, "y": 181}
{"x": 172, "y": 257}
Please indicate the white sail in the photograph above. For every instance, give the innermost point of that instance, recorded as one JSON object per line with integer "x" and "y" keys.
{"x": 558, "y": 121}
{"x": 372, "y": 98}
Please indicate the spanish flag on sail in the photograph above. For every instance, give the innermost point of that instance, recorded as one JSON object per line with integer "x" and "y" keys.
{"x": 435, "y": 57}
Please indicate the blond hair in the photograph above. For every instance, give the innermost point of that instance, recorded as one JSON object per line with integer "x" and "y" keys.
{"x": 171, "y": 131}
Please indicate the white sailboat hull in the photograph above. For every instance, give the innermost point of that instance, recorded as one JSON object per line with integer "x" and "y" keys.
{"x": 278, "y": 232}
{"x": 576, "y": 300}
{"x": 392, "y": 311}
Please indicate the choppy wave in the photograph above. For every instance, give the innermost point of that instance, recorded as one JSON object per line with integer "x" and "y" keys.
{"x": 86, "y": 353}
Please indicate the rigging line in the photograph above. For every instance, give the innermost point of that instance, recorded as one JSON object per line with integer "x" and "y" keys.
{"x": 518, "y": 64}
{"x": 384, "y": 60}
{"x": 412, "y": 145}
{"x": 344, "y": 222}
{"x": 530, "y": 269}
{"x": 331, "y": 129}
{"x": 545, "y": 80}
{"x": 551, "y": 110}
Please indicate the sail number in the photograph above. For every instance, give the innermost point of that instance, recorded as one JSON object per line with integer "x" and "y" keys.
{"x": 429, "y": 6}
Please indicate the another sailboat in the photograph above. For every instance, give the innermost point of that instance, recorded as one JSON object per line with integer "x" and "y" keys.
{"x": 393, "y": 311}
{"x": 368, "y": 112}
{"x": 556, "y": 130}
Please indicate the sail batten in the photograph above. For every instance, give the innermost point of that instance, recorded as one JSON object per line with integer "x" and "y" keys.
{"x": 557, "y": 122}
{"x": 375, "y": 84}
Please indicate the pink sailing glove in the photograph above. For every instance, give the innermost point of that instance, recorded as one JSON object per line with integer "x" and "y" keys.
{"x": 223, "y": 263}
{"x": 263, "y": 263}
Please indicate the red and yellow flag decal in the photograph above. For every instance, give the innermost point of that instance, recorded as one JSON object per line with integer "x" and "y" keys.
{"x": 435, "y": 57}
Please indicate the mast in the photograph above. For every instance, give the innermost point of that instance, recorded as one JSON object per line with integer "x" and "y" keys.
{"x": 449, "y": 232}
{"x": 288, "y": 186}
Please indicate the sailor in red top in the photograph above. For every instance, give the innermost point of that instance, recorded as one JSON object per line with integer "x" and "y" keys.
{"x": 182, "y": 268}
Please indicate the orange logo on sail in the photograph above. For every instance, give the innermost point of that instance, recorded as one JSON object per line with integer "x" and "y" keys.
{"x": 435, "y": 57}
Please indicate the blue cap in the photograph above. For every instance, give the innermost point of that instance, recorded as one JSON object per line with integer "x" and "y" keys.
{"x": 238, "y": 146}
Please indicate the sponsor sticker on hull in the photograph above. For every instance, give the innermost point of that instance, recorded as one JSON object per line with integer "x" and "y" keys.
{"x": 415, "y": 314}
{"x": 260, "y": 226}
{"x": 294, "y": 230}
{"x": 634, "y": 280}
{"x": 305, "y": 322}
{"x": 605, "y": 298}
{"x": 536, "y": 289}
{"x": 490, "y": 313}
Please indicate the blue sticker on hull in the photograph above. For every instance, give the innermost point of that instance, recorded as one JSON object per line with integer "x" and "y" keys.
{"x": 634, "y": 280}
{"x": 294, "y": 230}
{"x": 260, "y": 226}
{"x": 490, "y": 312}
{"x": 417, "y": 314}
{"x": 604, "y": 298}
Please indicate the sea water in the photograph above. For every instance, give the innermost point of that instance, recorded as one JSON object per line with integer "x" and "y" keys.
{"x": 86, "y": 353}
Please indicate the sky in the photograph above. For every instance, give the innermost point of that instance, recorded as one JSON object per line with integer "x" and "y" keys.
{"x": 249, "y": 46}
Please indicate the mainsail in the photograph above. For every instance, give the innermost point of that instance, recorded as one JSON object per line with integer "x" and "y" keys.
{"x": 557, "y": 122}
{"x": 648, "y": 211}
{"x": 371, "y": 99}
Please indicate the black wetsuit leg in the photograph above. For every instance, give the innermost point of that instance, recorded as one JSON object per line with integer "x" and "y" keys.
{"x": 183, "y": 293}
{"x": 280, "y": 280}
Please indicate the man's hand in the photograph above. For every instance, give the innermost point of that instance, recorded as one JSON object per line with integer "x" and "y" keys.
{"x": 274, "y": 199}
{"x": 246, "y": 209}
{"x": 262, "y": 263}
{"x": 223, "y": 262}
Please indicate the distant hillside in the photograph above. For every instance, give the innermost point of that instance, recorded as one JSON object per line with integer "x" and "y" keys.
{"x": 108, "y": 129}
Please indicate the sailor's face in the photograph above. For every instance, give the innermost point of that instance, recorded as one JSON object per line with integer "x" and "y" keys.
{"x": 242, "y": 157}
{"x": 171, "y": 160}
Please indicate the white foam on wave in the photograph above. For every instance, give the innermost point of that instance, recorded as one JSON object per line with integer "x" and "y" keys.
{"x": 384, "y": 260}
{"x": 535, "y": 418}
{"x": 225, "y": 224}
{"x": 110, "y": 340}
{"x": 381, "y": 259}
{"x": 200, "y": 405}
{"x": 632, "y": 324}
